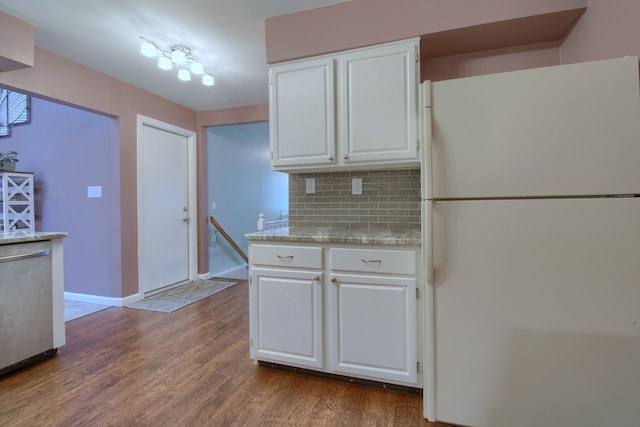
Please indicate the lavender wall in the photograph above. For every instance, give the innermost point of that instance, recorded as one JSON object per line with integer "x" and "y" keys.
{"x": 69, "y": 149}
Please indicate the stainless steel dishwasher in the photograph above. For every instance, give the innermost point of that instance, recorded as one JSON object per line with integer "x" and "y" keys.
{"x": 26, "y": 306}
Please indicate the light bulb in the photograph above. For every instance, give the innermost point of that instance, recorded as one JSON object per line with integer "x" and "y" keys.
{"x": 178, "y": 57}
{"x": 184, "y": 75}
{"x": 207, "y": 80}
{"x": 164, "y": 63}
{"x": 197, "y": 68}
{"x": 148, "y": 49}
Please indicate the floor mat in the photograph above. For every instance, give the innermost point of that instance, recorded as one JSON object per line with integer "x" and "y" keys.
{"x": 182, "y": 296}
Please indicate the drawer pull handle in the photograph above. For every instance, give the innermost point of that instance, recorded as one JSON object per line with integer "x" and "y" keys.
{"x": 371, "y": 261}
{"x": 285, "y": 257}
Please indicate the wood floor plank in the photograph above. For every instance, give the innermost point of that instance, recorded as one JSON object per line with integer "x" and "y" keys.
{"x": 129, "y": 367}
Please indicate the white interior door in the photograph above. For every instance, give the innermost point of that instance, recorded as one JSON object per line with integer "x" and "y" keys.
{"x": 166, "y": 206}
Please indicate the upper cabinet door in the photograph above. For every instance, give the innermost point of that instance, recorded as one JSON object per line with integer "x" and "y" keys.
{"x": 377, "y": 104}
{"x": 302, "y": 113}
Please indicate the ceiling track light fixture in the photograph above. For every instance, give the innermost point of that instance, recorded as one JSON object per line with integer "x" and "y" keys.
{"x": 180, "y": 56}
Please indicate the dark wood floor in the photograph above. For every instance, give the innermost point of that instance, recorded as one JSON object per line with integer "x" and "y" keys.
{"x": 128, "y": 367}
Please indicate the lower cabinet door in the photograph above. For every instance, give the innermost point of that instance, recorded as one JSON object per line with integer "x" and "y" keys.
{"x": 373, "y": 327}
{"x": 286, "y": 317}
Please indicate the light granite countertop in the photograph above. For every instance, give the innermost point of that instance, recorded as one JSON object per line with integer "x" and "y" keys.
{"x": 338, "y": 235}
{"x": 10, "y": 237}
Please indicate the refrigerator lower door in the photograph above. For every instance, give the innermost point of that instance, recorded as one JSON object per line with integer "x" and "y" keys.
{"x": 537, "y": 312}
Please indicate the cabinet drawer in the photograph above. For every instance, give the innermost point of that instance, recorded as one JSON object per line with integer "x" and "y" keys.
{"x": 374, "y": 261}
{"x": 286, "y": 256}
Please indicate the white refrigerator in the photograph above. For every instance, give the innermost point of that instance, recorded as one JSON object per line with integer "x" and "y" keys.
{"x": 531, "y": 245}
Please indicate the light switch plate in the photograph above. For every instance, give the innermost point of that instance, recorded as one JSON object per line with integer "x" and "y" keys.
{"x": 94, "y": 191}
{"x": 356, "y": 186}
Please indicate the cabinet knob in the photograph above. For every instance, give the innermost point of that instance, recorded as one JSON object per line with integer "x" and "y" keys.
{"x": 333, "y": 279}
{"x": 316, "y": 278}
{"x": 331, "y": 158}
{"x": 345, "y": 157}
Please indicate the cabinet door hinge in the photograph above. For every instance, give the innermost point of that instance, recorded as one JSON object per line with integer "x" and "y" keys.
{"x": 271, "y": 154}
{"x": 250, "y": 342}
{"x": 418, "y": 366}
{"x": 250, "y": 277}
{"x": 417, "y": 144}
{"x": 417, "y": 293}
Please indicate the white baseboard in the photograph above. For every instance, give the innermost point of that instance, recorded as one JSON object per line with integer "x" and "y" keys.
{"x": 97, "y": 299}
{"x": 240, "y": 273}
{"x": 121, "y": 302}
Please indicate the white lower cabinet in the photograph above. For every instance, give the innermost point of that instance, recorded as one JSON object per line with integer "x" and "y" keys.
{"x": 373, "y": 324}
{"x": 354, "y": 315}
{"x": 288, "y": 317}
{"x": 286, "y": 306}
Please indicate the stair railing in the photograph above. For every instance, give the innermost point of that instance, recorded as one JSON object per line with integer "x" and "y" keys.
{"x": 235, "y": 246}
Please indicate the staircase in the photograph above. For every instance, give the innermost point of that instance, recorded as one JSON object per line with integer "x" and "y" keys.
{"x": 14, "y": 110}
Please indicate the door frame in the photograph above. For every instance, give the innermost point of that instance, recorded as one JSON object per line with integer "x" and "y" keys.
{"x": 191, "y": 191}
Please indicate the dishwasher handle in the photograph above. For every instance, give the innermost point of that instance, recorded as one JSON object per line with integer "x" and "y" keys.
{"x": 19, "y": 257}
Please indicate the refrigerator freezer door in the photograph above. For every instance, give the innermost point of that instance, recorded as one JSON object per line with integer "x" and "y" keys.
{"x": 537, "y": 312}
{"x": 562, "y": 130}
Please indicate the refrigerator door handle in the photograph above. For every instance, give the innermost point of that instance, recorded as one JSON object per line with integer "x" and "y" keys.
{"x": 428, "y": 381}
{"x": 425, "y": 127}
{"x": 428, "y": 244}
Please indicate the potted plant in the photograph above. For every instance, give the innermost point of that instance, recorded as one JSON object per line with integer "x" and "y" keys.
{"x": 8, "y": 161}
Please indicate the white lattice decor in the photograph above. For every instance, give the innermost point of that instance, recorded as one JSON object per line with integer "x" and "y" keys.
{"x": 16, "y": 201}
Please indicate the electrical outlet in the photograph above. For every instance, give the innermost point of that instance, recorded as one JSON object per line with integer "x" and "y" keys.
{"x": 311, "y": 185}
{"x": 356, "y": 186}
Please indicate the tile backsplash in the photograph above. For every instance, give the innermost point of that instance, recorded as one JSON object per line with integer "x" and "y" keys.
{"x": 390, "y": 199}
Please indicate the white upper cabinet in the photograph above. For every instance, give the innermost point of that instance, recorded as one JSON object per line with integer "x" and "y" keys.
{"x": 302, "y": 114}
{"x": 352, "y": 110}
{"x": 377, "y": 100}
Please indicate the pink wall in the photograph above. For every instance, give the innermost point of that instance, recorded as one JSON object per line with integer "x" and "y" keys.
{"x": 19, "y": 53}
{"x": 365, "y": 22}
{"x": 608, "y": 29}
{"x": 605, "y": 29}
{"x": 493, "y": 61}
{"x": 56, "y": 78}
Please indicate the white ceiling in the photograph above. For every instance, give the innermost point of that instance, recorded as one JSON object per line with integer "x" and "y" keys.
{"x": 226, "y": 35}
